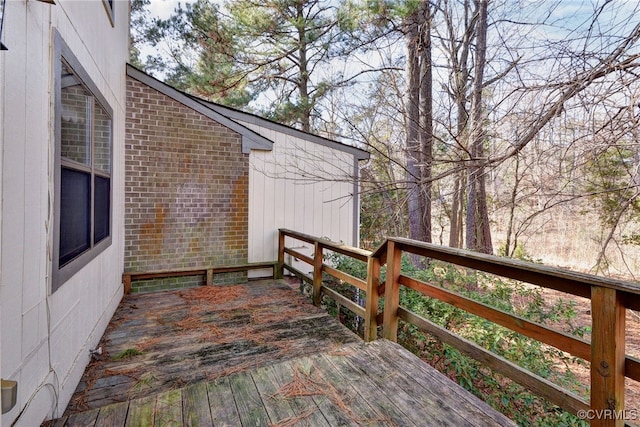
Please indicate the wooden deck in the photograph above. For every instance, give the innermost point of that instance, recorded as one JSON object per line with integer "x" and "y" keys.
{"x": 257, "y": 355}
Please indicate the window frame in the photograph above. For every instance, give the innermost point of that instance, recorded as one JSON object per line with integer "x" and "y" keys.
{"x": 60, "y": 274}
{"x": 110, "y": 7}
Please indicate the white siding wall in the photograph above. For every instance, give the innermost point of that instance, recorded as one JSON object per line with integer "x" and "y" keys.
{"x": 300, "y": 185}
{"x": 45, "y": 338}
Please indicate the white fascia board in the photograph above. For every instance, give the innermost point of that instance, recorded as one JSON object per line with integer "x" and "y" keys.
{"x": 278, "y": 127}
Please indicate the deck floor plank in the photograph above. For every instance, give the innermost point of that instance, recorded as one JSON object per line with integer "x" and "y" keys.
{"x": 303, "y": 405}
{"x": 467, "y": 406}
{"x": 113, "y": 415}
{"x": 248, "y": 401}
{"x": 196, "y": 410}
{"x": 83, "y": 419}
{"x": 141, "y": 412}
{"x": 346, "y": 395}
{"x": 277, "y": 407}
{"x": 60, "y": 422}
{"x": 406, "y": 389}
{"x": 169, "y": 409}
{"x": 222, "y": 404}
{"x": 334, "y": 415}
{"x": 384, "y": 397}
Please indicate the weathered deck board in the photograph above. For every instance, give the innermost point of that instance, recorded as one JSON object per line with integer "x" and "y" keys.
{"x": 432, "y": 381}
{"x": 222, "y": 403}
{"x": 267, "y": 385}
{"x": 397, "y": 410}
{"x": 376, "y": 384}
{"x": 248, "y": 401}
{"x": 403, "y": 389}
{"x": 169, "y": 409}
{"x": 195, "y": 405}
{"x": 331, "y": 412}
{"x": 289, "y": 364}
{"x": 182, "y": 339}
{"x": 347, "y": 393}
{"x": 83, "y": 419}
{"x": 113, "y": 415}
{"x": 282, "y": 373}
{"x": 141, "y": 412}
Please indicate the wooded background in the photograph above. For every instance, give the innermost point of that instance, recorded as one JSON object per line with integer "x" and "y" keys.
{"x": 506, "y": 127}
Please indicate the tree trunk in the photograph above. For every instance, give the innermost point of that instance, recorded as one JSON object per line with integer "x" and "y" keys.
{"x": 419, "y": 122}
{"x": 303, "y": 79}
{"x": 478, "y": 227}
{"x": 426, "y": 123}
{"x": 512, "y": 212}
{"x": 459, "y": 60}
{"x": 457, "y": 211}
{"x": 413, "y": 124}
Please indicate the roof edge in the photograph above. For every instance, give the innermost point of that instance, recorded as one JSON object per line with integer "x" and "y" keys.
{"x": 235, "y": 114}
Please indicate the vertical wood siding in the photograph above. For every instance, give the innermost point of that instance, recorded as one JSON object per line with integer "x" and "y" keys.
{"x": 300, "y": 185}
{"x": 45, "y": 338}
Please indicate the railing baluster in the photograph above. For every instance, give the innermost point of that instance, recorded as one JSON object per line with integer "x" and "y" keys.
{"x": 126, "y": 281}
{"x": 371, "y": 303}
{"x": 317, "y": 273}
{"x": 607, "y": 357}
{"x": 392, "y": 293}
{"x": 209, "y": 280}
{"x": 278, "y": 273}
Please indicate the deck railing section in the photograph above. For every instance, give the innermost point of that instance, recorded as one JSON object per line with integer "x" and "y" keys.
{"x": 206, "y": 272}
{"x": 610, "y": 299}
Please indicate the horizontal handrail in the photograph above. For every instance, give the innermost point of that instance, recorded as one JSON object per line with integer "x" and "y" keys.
{"x": 359, "y": 254}
{"x": 545, "y": 388}
{"x": 609, "y": 300}
{"x": 565, "y": 342}
{"x": 571, "y": 282}
{"x": 358, "y": 283}
{"x": 298, "y": 255}
{"x": 344, "y": 301}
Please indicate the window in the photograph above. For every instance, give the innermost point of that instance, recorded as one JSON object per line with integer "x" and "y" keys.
{"x": 109, "y": 7}
{"x": 2, "y": 6}
{"x": 83, "y": 168}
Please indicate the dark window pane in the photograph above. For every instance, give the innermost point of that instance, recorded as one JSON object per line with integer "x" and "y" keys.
{"x": 101, "y": 208}
{"x": 75, "y": 214}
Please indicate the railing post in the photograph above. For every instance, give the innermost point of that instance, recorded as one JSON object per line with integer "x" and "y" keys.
{"x": 126, "y": 282}
{"x": 607, "y": 357}
{"x": 317, "y": 274}
{"x": 209, "y": 280}
{"x": 371, "y": 303}
{"x": 392, "y": 293}
{"x": 278, "y": 271}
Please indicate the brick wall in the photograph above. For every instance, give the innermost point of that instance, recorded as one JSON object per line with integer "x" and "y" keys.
{"x": 186, "y": 190}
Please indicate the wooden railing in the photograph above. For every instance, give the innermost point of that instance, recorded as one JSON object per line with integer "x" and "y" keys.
{"x": 207, "y": 273}
{"x": 609, "y": 300}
